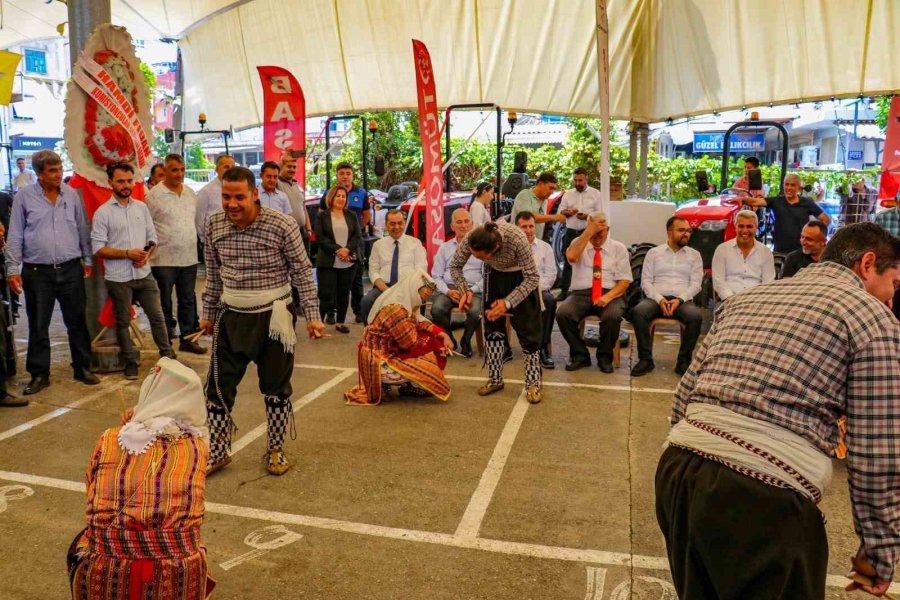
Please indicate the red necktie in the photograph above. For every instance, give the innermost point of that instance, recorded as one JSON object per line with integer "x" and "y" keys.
{"x": 597, "y": 284}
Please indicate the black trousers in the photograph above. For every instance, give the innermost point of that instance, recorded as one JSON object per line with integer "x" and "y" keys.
{"x": 442, "y": 315}
{"x": 688, "y": 313}
{"x": 4, "y": 348}
{"x": 44, "y": 286}
{"x": 243, "y": 338}
{"x": 577, "y": 306}
{"x": 146, "y": 293}
{"x": 334, "y": 291}
{"x": 732, "y": 537}
{"x": 549, "y": 317}
{"x": 526, "y": 317}
{"x": 184, "y": 280}
{"x": 571, "y": 235}
{"x": 356, "y": 290}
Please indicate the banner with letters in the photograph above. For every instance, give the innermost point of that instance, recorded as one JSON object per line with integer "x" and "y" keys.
{"x": 429, "y": 131}
{"x": 284, "y": 117}
{"x": 890, "y": 166}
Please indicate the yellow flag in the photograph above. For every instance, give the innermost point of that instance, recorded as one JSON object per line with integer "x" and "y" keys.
{"x": 9, "y": 62}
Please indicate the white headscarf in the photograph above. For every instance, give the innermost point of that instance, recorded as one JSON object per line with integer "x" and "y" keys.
{"x": 405, "y": 293}
{"x": 171, "y": 403}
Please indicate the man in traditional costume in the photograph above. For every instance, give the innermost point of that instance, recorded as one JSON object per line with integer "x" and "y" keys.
{"x": 254, "y": 256}
{"x": 399, "y": 346}
{"x": 145, "y": 487}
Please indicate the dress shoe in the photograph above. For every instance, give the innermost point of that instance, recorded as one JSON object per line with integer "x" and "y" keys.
{"x": 489, "y": 388}
{"x": 534, "y": 394}
{"x": 644, "y": 366}
{"x": 192, "y": 347}
{"x": 217, "y": 466}
{"x": 37, "y": 383}
{"x": 358, "y": 319}
{"x": 574, "y": 365}
{"x": 681, "y": 367}
{"x": 277, "y": 462}
{"x": 507, "y": 355}
{"x": 7, "y": 400}
{"x": 131, "y": 372}
{"x": 605, "y": 364}
{"x": 341, "y": 328}
{"x": 86, "y": 377}
{"x": 546, "y": 360}
{"x": 465, "y": 348}
{"x": 329, "y": 319}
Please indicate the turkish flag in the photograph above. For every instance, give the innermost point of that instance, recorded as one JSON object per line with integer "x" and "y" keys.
{"x": 284, "y": 120}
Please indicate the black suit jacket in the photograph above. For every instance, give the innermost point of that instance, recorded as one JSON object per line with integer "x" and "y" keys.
{"x": 325, "y": 237}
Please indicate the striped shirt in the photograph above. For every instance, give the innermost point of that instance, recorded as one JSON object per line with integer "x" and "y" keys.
{"x": 890, "y": 220}
{"x": 514, "y": 254}
{"x": 267, "y": 254}
{"x": 801, "y": 353}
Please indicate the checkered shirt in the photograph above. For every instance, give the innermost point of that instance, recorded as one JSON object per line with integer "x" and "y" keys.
{"x": 267, "y": 254}
{"x": 800, "y": 353}
{"x": 890, "y": 220}
{"x": 514, "y": 254}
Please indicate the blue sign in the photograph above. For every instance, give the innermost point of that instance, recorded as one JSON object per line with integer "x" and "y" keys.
{"x": 854, "y": 155}
{"x": 22, "y": 142}
{"x": 740, "y": 142}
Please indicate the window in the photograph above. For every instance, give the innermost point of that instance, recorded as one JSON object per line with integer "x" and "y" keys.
{"x": 35, "y": 62}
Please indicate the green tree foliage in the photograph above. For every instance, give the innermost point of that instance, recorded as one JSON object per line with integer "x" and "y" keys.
{"x": 882, "y": 111}
{"x": 194, "y": 159}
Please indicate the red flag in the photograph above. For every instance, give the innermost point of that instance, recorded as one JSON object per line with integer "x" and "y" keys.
{"x": 890, "y": 162}
{"x": 431, "y": 151}
{"x": 284, "y": 117}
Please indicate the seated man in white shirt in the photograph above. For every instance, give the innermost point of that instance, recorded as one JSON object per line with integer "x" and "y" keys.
{"x": 601, "y": 274}
{"x": 743, "y": 262}
{"x": 546, "y": 266}
{"x": 671, "y": 276}
{"x": 392, "y": 258}
{"x": 447, "y": 297}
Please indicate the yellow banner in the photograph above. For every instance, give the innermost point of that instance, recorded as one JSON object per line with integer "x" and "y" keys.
{"x": 9, "y": 62}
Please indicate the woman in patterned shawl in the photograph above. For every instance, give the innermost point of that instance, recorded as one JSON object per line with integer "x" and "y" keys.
{"x": 399, "y": 345}
{"x": 145, "y": 486}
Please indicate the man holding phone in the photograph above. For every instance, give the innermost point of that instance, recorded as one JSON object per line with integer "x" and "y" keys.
{"x": 792, "y": 213}
{"x": 576, "y": 204}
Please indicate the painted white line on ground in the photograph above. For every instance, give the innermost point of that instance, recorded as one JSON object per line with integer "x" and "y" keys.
{"x": 589, "y": 386}
{"x": 61, "y": 411}
{"x": 599, "y": 557}
{"x": 471, "y": 520}
{"x": 260, "y": 429}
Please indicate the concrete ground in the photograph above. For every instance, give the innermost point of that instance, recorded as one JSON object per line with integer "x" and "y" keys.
{"x": 472, "y": 498}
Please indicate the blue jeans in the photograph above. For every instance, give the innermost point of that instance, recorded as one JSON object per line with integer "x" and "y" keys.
{"x": 183, "y": 279}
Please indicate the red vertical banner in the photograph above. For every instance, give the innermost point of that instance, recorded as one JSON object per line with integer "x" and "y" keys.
{"x": 890, "y": 162}
{"x": 432, "y": 164}
{"x": 284, "y": 119}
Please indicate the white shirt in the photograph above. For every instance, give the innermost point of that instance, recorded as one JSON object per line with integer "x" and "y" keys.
{"x": 616, "y": 266}
{"x": 276, "y": 200}
{"x": 479, "y": 214}
{"x": 441, "y": 274}
{"x": 175, "y": 219}
{"x": 667, "y": 273}
{"x": 733, "y": 273}
{"x": 586, "y": 202}
{"x": 546, "y": 263}
{"x": 122, "y": 228}
{"x": 23, "y": 178}
{"x": 209, "y": 200}
{"x": 412, "y": 257}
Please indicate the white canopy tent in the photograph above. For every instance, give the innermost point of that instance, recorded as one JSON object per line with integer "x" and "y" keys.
{"x": 668, "y": 58}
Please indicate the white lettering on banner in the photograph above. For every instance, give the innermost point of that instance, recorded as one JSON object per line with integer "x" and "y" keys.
{"x": 282, "y": 111}
{"x": 261, "y": 545}
{"x": 13, "y": 492}
{"x": 431, "y": 150}
{"x": 136, "y": 131}
{"x": 284, "y": 138}
{"x": 280, "y": 84}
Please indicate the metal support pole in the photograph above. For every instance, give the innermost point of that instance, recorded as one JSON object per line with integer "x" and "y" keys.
{"x": 632, "y": 158}
{"x": 645, "y": 133}
{"x": 328, "y": 153}
{"x": 499, "y": 182}
{"x": 447, "y": 152}
{"x": 365, "y": 154}
{"x": 178, "y": 111}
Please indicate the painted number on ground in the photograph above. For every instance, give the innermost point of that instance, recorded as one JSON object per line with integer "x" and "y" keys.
{"x": 262, "y": 541}
{"x": 13, "y": 492}
{"x": 596, "y": 582}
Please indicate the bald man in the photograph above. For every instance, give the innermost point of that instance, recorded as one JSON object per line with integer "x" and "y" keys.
{"x": 792, "y": 213}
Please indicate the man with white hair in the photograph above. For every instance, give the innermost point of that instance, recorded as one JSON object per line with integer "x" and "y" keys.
{"x": 601, "y": 274}
{"x": 792, "y": 212}
{"x": 742, "y": 262}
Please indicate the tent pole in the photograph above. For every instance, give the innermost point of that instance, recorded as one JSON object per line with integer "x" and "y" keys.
{"x": 645, "y": 131}
{"x": 632, "y": 158}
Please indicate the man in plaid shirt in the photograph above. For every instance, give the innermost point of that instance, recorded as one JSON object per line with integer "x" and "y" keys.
{"x": 254, "y": 257}
{"x": 755, "y": 421}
